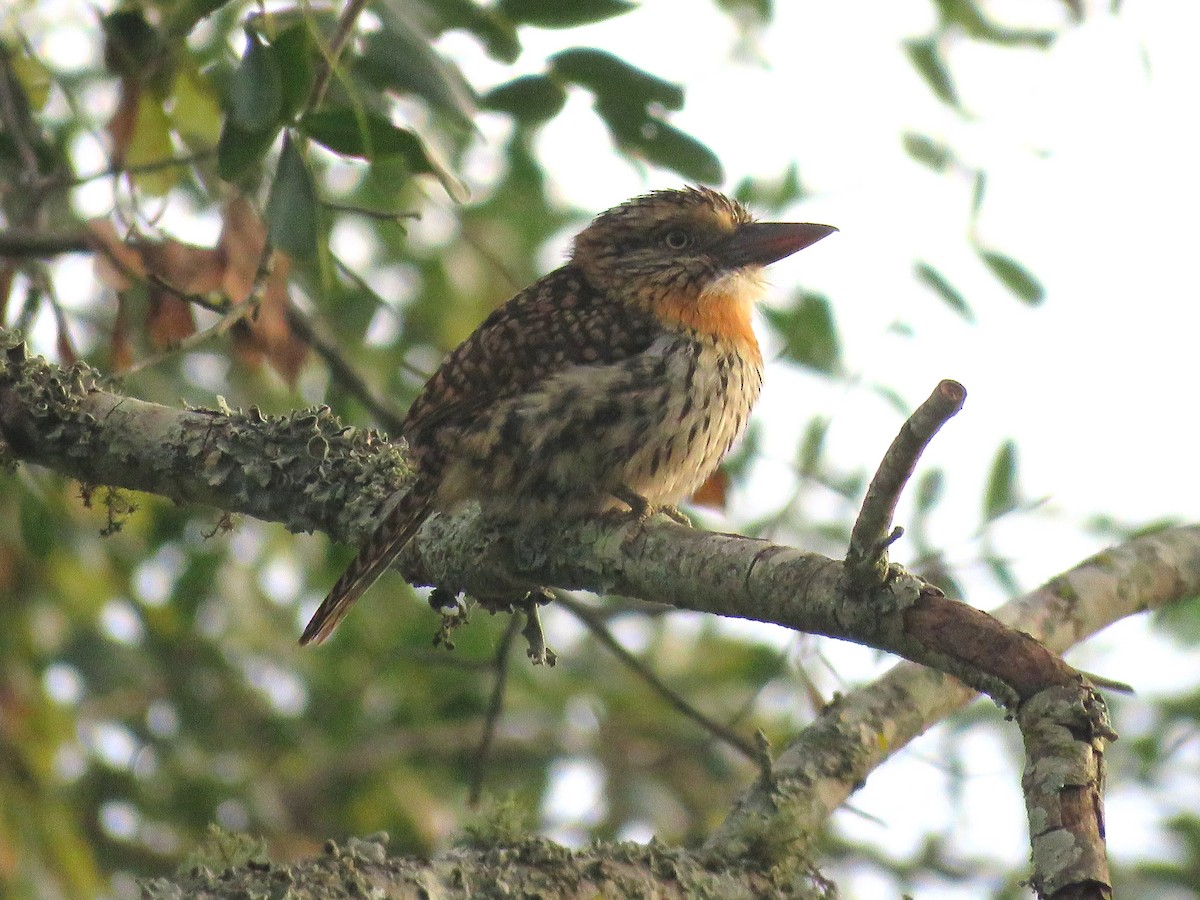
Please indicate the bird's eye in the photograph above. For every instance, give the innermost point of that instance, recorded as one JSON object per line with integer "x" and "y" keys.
{"x": 677, "y": 239}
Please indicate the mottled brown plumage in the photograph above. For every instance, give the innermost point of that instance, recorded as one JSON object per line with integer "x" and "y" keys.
{"x": 622, "y": 377}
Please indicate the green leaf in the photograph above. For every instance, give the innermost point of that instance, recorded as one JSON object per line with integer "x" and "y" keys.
{"x": 933, "y": 279}
{"x": 562, "y": 13}
{"x": 292, "y": 205}
{"x": 184, "y": 16}
{"x": 809, "y": 334}
{"x": 929, "y": 490}
{"x": 977, "y": 192}
{"x": 151, "y": 143}
{"x": 34, "y": 77}
{"x": 131, "y": 43}
{"x": 256, "y": 100}
{"x": 667, "y": 146}
{"x": 761, "y": 11}
{"x": 1015, "y": 277}
{"x": 1002, "y": 571}
{"x": 890, "y": 395}
{"x": 812, "y": 446}
{"x": 924, "y": 55}
{"x": 400, "y": 57}
{"x": 195, "y": 113}
{"x": 614, "y": 80}
{"x": 968, "y": 16}
{"x": 498, "y": 34}
{"x": 1001, "y": 495}
{"x": 239, "y": 150}
{"x": 927, "y": 151}
{"x": 531, "y": 99}
{"x": 370, "y": 136}
{"x": 772, "y": 195}
{"x": 296, "y": 55}
{"x": 363, "y": 134}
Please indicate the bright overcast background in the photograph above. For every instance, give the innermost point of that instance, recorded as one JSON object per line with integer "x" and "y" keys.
{"x": 1092, "y": 151}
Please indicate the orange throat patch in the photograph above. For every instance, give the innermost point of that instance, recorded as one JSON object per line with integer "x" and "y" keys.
{"x": 723, "y": 310}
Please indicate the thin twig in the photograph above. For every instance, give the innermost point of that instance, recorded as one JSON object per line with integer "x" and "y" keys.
{"x": 495, "y": 706}
{"x": 491, "y": 258}
{"x": 235, "y": 313}
{"x": 329, "y": 57}
{"x": 361, "y": 283}
{"x": 383, "y": 215}
{"x": 388, "y": 417}
{"x": 168, "y": 162}
{"x": 230, "y": 315}
{"x": 866, "y": 560}
{"x": 592, "y": 623}
{"x": 18, "y": 243}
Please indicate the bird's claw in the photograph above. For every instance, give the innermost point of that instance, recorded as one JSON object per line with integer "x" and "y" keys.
{"x": 642, "y": 509}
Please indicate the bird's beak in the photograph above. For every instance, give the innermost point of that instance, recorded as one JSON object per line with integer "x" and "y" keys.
{"x": 762, "y": 243}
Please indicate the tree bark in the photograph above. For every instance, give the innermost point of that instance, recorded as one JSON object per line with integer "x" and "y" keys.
{"x": 309, "y": 472}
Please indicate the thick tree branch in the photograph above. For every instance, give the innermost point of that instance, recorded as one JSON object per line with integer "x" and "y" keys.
{"x": 309, "y": 473}
{"x": 499, "y": 863}
{"x": 21, "y": 243}
{"x": 861, "y": 730}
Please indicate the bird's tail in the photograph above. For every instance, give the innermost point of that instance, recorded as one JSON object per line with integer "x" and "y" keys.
{"x": 372, "y": 561}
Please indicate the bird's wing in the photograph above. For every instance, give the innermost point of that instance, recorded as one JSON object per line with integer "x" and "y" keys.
{"x": 558, "y": 322}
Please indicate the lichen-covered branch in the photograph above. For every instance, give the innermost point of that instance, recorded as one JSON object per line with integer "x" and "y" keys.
{"x": 1065, "y": 737}
{"x": 305, "y": 470}
{"x": 499, "y": 864}
{"x": 308, "y": 472}
{"x": 862, "y": 729}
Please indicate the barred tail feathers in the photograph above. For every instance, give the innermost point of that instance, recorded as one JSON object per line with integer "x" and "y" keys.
{"x": 372, "y": 561}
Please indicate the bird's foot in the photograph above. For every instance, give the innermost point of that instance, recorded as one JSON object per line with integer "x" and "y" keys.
{"x": 675, "y": 514}
{"x": 642, "y": 509}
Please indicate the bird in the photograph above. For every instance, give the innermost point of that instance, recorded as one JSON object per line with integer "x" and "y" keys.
{"x": 618, "y": 380}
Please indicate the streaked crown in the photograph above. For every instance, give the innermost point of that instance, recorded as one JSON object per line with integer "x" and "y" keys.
{"x": 665, "y": 238}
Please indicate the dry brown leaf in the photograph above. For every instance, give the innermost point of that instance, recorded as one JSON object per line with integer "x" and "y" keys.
{"x": 66, "y": 352}
{"x": 124, "y": 121}
{"x": 118, "y": 264}
{"x": 243, "y": 237}
{"x": 169, "y": 319}
{"x": 186, "y": 267}
{"x": 118, "y": 344}
{"x": 268, "y": 335}
{"x": 714, "y": 493}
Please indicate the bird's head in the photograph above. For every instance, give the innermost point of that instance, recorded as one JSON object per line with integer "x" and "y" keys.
{"x": 690, "y": 255}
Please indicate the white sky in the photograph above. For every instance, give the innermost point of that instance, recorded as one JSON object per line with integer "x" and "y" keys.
{"x": 1091, "y": 150}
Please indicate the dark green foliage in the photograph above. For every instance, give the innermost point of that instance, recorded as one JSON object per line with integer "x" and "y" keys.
{"x": 926, "y": 150}
{"x": 1002, "y": 495}
{"x": 935, "y": 281}
{"x": 530, "y": 99}
{"x": 562, "y": 13}
{"x": 1015, "y": 277}
{"x": 926, "y": 58}
{"x": 291, "y": 212}
{"x": 809, "y": 333}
